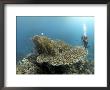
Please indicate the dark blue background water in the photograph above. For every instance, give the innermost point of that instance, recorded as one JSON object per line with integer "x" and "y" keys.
{"x": 66, "y": 28}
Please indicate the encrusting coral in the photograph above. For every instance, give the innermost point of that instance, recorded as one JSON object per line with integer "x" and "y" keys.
{"x": 56, "y": 57}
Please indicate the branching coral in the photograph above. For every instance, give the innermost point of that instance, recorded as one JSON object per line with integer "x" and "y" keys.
{"x": 26, "y": 67}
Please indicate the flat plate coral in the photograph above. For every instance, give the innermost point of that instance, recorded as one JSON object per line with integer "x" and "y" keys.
{"x": 55, "y": 57}
{"x": 57, "y": 52}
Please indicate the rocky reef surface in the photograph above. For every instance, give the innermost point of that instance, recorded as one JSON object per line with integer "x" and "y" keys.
{"x": 55, "y": 57}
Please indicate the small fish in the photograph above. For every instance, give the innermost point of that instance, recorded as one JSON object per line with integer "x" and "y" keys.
{"x": 42, "y": 33}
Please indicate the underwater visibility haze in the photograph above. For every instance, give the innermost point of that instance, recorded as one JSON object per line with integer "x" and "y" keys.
{"x": 54, "y": 45}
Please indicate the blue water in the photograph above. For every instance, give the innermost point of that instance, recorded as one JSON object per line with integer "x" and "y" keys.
{"x": 66, "y": 28}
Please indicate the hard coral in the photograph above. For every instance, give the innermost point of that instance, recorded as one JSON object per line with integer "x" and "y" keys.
{"x": 44, "y": 45}
{"x": 63, "y": 53}
{"x": 26, "y": 67}
{"x": 55, "y": 57}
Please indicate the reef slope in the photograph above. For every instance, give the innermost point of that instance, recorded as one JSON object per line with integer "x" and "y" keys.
{"x": 55, "y": 57}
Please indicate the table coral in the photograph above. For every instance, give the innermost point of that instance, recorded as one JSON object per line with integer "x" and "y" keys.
{"x": 56, "y": 57}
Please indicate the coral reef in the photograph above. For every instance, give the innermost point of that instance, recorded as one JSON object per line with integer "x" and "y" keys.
{"x": 27, "y": 67}
{"x": 44, "y": 45}
{"x": 55, "y": 57}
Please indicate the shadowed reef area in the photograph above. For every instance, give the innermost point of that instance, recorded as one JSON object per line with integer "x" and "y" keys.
{"x": 55, "y": 57}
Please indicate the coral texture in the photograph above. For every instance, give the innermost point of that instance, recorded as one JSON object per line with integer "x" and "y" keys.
{"x": 55, "y": 57}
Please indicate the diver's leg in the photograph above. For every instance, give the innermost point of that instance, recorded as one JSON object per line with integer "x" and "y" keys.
{"x": 84, "y": 44}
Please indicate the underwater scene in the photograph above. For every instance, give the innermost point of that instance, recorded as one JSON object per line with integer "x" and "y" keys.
{"x": 55, "y": 45}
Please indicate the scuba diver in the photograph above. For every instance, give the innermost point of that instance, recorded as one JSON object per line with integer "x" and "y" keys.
{"x": 84, "y": 39}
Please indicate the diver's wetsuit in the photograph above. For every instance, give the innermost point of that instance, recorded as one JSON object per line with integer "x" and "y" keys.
{"x": 85, "y": 41}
